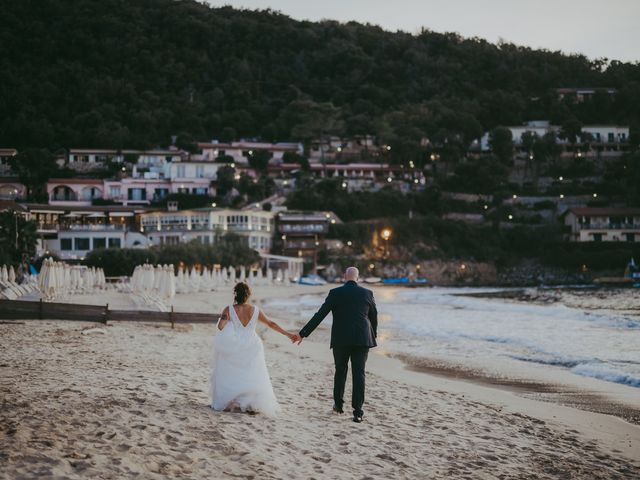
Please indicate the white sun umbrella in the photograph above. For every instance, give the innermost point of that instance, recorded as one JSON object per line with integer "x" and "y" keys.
{"x": 172, "y": 282}
{"x": 158, "y": 273}
{"x": 224, "y": 274}
{"x": 260, "y": 277}
{"x": 66, "y": 278}
{"x": 285, "y": 278}
{"x": 12, "y": 274}
{"x": 150, "y": 278}
{"x": 4, "y": 274}
{"x": 43, "y": 272}
{"x": 87, "y": 280}
{"x": 232, "y": 274}
{"x": 50, "y": 280}
{"x": 279, "y": 275}
{"x": 94, "y": 275}
{"x": 102, "y": 281}
{"x": 207, "y": 279}
{"x": 178, "y": 280}
{"x": 73, "y": 279}
{"x": 194, "y": 280}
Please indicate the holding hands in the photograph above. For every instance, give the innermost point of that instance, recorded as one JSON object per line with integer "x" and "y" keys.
{"x": 295, "y": 338}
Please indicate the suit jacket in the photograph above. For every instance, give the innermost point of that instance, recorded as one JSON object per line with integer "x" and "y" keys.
{"x": 355, "y": 318}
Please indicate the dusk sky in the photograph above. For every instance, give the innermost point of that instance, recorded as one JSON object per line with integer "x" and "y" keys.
{"x": 595, "y": 28}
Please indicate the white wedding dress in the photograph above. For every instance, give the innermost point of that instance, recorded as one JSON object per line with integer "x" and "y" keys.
{"x": 239, "y": 376}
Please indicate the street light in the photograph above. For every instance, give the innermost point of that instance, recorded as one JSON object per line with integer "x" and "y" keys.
{"x": 386, "y": 235}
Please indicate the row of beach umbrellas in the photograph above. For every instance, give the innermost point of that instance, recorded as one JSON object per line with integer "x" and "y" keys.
{"x": 10, "y": 288}
{"x": 58, "y": 279}
{"x": 160, "y": 281}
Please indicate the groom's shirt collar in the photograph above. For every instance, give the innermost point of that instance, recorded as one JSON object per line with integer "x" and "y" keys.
{"x": 350, "y": 281}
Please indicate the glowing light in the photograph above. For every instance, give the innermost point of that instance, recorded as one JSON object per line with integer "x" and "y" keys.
{"x": 562, "y": 195}
{"x": 333, "y": 220}
{"x": 415, "y": 180}
{"x": 486, "y": 207}
{"x": 388, "y": 148}
{"x": 510, "y": 217}
{"x": 515, "y": 196}
{"x": 595, "y": 195}
{"x": 389, "y": 179}
{"x": 214, "y": 204}
{"x": 560, "y": 178}
{"x": 349, "y": 243}
{"x": 386, "y": 234}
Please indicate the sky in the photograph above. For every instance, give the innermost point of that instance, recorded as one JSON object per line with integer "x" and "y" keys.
{"x": 595, "y": 28}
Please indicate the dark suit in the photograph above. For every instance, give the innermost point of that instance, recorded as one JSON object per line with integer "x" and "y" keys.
{"x": 353, "y": 333}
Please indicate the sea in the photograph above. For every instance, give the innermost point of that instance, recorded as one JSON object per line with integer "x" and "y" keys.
{"x": 495, "y": 335}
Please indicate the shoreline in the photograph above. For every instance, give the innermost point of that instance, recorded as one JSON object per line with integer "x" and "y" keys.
{"x": 552, "y": 391}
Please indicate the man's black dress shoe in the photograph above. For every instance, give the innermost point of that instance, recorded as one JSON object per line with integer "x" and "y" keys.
{"x": 338, "y": 409}
{"x": 357, "y": 418}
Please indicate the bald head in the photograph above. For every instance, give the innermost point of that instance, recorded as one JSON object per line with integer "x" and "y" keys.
{"x": 351, "y": 273}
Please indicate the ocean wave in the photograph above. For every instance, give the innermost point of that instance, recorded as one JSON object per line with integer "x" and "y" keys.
{"x": 606, "y": 372}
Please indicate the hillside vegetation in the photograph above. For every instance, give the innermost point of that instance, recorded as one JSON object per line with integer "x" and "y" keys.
{"x": 131, "y": 73}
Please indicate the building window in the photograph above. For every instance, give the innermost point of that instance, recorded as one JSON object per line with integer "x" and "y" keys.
{"x": 114, "y": 243}
{"x": 82, "y": 244}
{"x": 597, "y": 237}
{"x": 181, "y": 171}
{"x": 610, "y": 137}
{"x": 66, "y": 244}
{"x": 99, "y": 242}
{"x": 630, "y": 237}
{"x": 199, "y": 171}
{"x": 137, "y": 194}
{"x": 114, "y": 192}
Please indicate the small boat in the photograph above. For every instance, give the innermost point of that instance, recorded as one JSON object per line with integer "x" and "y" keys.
{"x": 312, "y": 280}
{"x": 396, "y": 280}
{"x": 372, "y": 280}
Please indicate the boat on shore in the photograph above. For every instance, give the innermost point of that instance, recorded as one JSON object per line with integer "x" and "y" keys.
{"x": 312, "y": 280}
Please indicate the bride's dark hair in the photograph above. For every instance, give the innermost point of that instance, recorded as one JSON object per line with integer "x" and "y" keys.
{"x": 241, "y": 292}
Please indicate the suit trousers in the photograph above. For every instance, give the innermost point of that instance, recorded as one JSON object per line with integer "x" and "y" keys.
{"x": 358, "y": 357}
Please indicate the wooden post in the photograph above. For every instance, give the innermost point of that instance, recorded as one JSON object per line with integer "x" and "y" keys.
{"x": 171, "y": 316}
{"x": 40, "y": 310}
{"x": 105, "y": 317}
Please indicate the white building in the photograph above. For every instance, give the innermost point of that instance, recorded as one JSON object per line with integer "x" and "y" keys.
{"x": 207, "y": 224}
{"x": 609, "y": 224}
{"x": 88, "y": 159}
{"x": 71, "y": 232}
{"x": 240, "y": 152}
{"x": 608, "y": 135}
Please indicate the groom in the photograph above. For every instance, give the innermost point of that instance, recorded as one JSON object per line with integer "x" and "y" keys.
{"x": 353, "y": 333}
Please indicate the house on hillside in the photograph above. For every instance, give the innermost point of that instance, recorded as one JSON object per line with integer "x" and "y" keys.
{"x": 602, "y": 224}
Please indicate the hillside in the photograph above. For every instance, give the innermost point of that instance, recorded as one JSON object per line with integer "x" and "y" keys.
{"x": 131, "y": 73}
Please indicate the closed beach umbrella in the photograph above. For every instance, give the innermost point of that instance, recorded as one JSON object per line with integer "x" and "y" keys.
{"x": 12, "y": 274}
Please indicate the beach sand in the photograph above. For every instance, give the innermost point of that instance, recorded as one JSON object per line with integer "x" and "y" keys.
{"x": 82, "y": 400}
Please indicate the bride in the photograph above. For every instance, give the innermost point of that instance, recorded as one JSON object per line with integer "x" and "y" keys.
{"x": 240, "y": 378}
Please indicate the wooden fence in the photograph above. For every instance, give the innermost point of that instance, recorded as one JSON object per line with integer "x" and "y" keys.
{"x": 24, "y": 310}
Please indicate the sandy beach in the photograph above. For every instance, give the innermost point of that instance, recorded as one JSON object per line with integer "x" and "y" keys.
{"x": 81, "y": 400}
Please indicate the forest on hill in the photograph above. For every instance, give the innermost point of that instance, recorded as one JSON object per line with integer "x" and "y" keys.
{"x": 132, "y": 73}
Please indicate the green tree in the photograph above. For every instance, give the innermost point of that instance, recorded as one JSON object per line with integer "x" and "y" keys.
{"x": 259, "y": 160}
{"x": 17, "y": 237}
{"x": 34, "y": 167}
{"x": 501, "y": 143}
